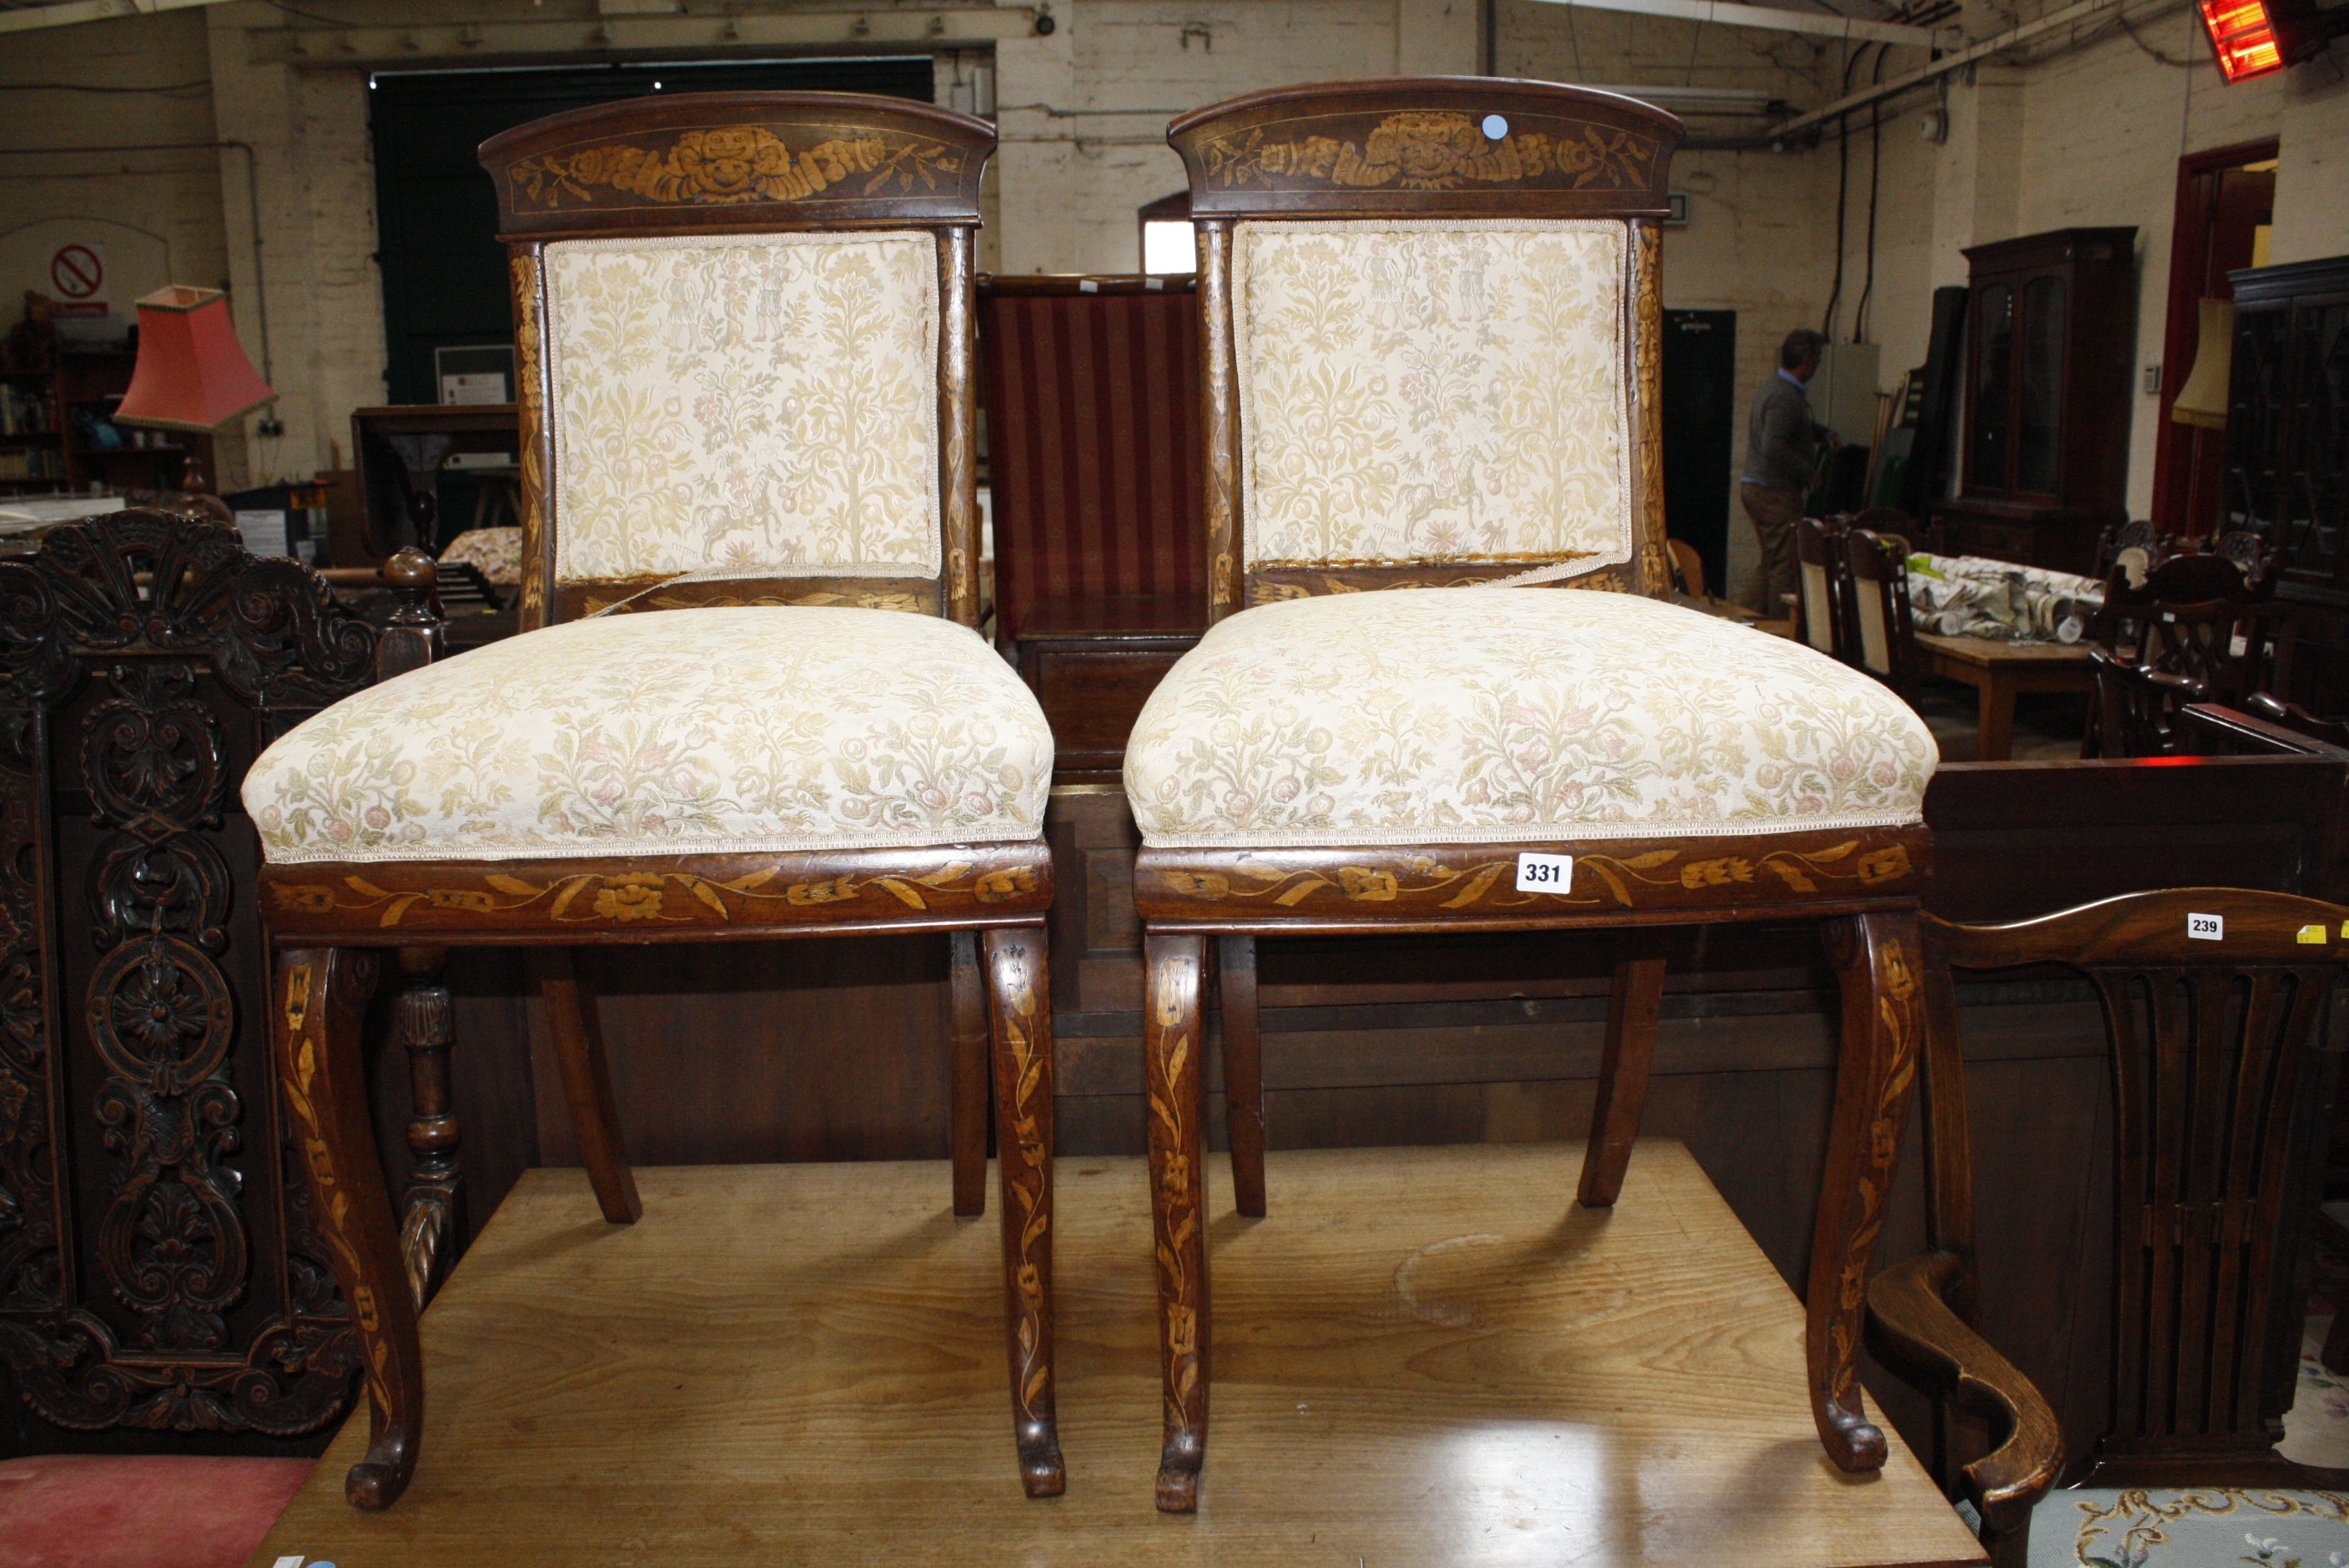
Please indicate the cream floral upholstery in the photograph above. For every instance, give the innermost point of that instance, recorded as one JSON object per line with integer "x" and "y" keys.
{"x": 1411, "y": 391}
{"x": 1476, "y": 715}
{"x": 749, "y": 402}
{"x": 676, "y": 731}
{"x": 2190, "y": 1528}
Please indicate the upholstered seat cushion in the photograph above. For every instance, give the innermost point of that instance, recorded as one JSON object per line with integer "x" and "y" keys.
{"x": 769, "y": 727}
{"x": 1483, "y": 715}
{"x": 2190, "y": 1528}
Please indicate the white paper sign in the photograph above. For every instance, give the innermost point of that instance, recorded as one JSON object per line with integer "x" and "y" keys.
{"x": 2207, "y": 927}
{"x": 263, "y": 532}
{"x": 1545, "y": 873}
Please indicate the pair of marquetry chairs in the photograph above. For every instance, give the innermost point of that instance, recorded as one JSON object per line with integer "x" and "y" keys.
{"x": 1430, "y": 317}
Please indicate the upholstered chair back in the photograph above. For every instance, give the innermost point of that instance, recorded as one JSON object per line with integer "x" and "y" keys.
{"x": 743, "y": 343}
{"x": 1430, "y": 320}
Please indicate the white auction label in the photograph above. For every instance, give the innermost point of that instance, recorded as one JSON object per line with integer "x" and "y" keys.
{"x": 1545, "y": 873}
{"x": 2207, "y": 927}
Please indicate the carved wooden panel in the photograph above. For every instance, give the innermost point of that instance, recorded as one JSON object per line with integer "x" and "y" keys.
{"x": 158, "y": 1266}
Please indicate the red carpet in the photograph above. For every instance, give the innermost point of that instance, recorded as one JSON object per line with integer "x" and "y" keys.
{"x": 75, "y": 1511}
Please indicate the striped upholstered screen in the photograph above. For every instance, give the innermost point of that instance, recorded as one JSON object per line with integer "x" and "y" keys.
{"x": 1092, "y": 440}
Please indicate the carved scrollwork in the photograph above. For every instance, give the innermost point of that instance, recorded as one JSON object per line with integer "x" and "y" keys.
{"x": 172, "y": 1244}
{"x": 153, "y": 755}
{"x": 148, "y": 580}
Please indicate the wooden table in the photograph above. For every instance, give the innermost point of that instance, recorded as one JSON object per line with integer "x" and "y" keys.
{"x": 1997, "y": 671}
{"x": 1425, "y": 1356}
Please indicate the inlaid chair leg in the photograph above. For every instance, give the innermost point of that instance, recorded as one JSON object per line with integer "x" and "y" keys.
{"x": 1243, "y": 1072}
{"x": 1632, "y": 1008}
{"x": 1171, "y": 1049}
{"x": 423, "y": 1022}
{"x": 1020, "y": 985}
{"x": 578, "y": 1038}
{"x": 321, "y": 995}
{"x": 967, "y": 1112}
{"x": 1879, "y": 961}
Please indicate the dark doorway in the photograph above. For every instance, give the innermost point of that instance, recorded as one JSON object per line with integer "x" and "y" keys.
{"x": 1700, "y": 422}
{"x": 2224, "y": 199}
{"x": 444, "y": 273}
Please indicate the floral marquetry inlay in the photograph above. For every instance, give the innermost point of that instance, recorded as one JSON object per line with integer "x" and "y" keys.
{"x": 735, "y": 164}
{"x": 1435, "y": 149}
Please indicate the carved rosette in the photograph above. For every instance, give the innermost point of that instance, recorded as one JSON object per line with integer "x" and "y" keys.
{"x": 144, "y": 1315}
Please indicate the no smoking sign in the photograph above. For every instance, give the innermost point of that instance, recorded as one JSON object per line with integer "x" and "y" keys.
{"x": 78, "y": 272}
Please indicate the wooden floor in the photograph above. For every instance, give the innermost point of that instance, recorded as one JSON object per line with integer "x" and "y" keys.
{"x": 1422, "y": 1356}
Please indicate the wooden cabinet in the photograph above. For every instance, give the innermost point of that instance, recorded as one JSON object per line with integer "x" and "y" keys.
{"x": 2288, "y": 454}
{"x": 2050, "y": 322}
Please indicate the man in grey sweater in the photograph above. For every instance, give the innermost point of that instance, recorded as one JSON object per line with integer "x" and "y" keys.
{"x": 1782, "y": 456}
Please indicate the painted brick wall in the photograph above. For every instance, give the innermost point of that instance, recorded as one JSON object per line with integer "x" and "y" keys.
{"x": 2091, "y": 136}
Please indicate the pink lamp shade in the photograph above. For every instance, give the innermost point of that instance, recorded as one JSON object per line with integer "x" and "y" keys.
{"x": 192, "y": 374}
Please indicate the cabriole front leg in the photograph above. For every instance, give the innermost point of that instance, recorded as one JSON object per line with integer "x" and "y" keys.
{"x": 1020, "y": 983}
{"x": 1170, "y": 1045}
{"x": 1877, "y": 959}
{"x": 321, "y": 997}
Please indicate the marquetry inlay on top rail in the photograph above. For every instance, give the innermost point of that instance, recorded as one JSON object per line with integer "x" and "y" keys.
{"x": 739, "y": 161}
{"x": 1461, "y": 145}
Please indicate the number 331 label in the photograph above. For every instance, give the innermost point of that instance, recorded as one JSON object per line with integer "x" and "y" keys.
{"x": 1545, "y": 873}
{"x": 2207, "y": 927}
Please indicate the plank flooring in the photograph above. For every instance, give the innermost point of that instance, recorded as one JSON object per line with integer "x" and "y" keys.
{"x": 1422, "y": 1356}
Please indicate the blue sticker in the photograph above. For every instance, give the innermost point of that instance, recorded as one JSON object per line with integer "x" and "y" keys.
{"x": 1495, "y": 127}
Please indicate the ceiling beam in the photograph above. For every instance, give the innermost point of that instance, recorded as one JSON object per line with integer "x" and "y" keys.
{"x": 30, "y": 19}
{"x": 1728, "y": 14}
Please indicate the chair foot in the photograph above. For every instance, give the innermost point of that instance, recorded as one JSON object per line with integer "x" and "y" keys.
{"x": 1178, "y": 1475}
{"x": 1042, "y": 1470}
{"x": 375, "y": 1482}
{"x": 1853, "y": 1442}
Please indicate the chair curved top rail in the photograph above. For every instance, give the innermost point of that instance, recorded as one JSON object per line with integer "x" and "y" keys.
{"x": 2262, "y": 928}
{"x": 737, "y": 161}
{"x": 1428, "y": 146}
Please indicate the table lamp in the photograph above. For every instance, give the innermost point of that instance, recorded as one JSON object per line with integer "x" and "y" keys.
{"x": 192, "y": 375}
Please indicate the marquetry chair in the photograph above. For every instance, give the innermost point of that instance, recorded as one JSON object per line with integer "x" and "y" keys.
{"x": 1429, "y": 315}
{"x": 2214, "y": 1004}
{"x": 742, "y": 326}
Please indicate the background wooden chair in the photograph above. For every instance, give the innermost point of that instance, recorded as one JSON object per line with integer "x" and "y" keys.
{"x": 2199, "y": 631}
{"x": 1431, "y": 318}
{"x": 1878, "y": 594}
{"x": 2214, "y": 1000}
{"x": 1824, "y": 587}
{"x": 1092, "y": 439}
{"x": 1092, "y": 430}
{"x": 742, "y": 325}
